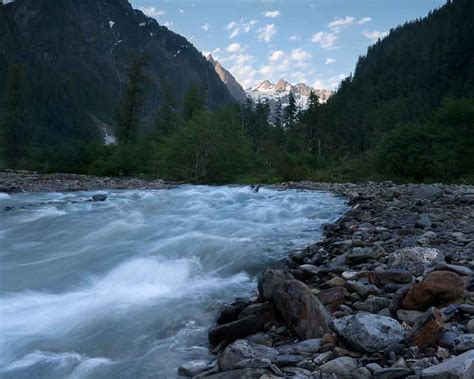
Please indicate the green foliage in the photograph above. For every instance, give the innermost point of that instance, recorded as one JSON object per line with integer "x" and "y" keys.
{"x": 210, "y": 147}
{"x": 442, "y": 148}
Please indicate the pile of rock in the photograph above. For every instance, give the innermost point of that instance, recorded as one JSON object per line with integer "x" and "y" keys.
{"x": 389, "y": 293}
{"x": 30, "y": 181}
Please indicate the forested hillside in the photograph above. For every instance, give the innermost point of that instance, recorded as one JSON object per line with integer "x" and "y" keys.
{"x": 406, "y": 114}
{"x": 75, "y": 57}
{"x": 396, "y": 91}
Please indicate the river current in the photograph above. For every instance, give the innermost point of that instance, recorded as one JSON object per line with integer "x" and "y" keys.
{"x": 128, "y": 287}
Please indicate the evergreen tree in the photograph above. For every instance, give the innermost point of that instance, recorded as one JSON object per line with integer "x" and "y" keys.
{"x": 130, "y": 106}
{"x": 195, "y": 101}
{"x": 290, "y": 112}
{"x": 14, "y": 129}
{"x": 166, "y": 117}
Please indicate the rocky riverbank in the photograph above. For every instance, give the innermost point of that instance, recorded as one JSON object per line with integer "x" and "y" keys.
{"x": 388, "y": 293}
{"x": 29, "y": 181}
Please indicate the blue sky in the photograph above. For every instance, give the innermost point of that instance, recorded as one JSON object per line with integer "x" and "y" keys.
{"x": 316, "y": 42}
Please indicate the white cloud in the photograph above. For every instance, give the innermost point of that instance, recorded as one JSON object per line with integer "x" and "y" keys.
{"x": 329, "y": 83}
{"x": 348, "y": 20}
{"x": 272, "y": 14}
{"x": 205, "y": 27}
{"x": 181, "y": 11}
{"x": 342, "y": 21}
{"x": 216, "y": 50}
{"x": 299, "y": 77}
{"x": 325, "y": 39}
{"x": 235, "y": 28}
{"x": 364, "y": 20}
{"x": 267, "y": 32}
{"x": 243, "y": 72}
{"x": 319, "y": 84}
{"x": 335, "y": 80}
{"x": 234, "y": 48}
{"x": 295, "y": 37}
{"x": 277, "y": 55}
{"x": 231, "y": 25}
{"x": 300, "y": 54}
{"x": 168, "y": 24}
{"x": 329, "y": 60}
{"x": 152, "y": 11}
{"x": 374, "y": 35}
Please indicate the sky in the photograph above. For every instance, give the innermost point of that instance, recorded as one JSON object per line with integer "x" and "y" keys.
{"x": 316, "y": 42}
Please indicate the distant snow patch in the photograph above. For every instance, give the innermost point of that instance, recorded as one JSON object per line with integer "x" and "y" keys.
{"x": 177, "y": 53}
{"x": 5, "y": 2}
{"x": 111, "y": 24}
{"x": 142, "y": 23}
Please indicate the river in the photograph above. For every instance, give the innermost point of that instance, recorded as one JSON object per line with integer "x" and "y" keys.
{"x": 128, "y": 287}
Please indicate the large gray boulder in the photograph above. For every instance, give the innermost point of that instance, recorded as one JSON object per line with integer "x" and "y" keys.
{"x": 304, "y": 314}
{"x": 460, "y": 367}
{"x": 368, "y": 332}
{"x": 242, "y": 350}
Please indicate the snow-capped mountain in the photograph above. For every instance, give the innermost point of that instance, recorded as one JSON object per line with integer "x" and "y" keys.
{"x": 281, "y": 91}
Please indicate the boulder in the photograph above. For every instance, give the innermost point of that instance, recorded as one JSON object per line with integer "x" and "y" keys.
{"x": 332, "y": 297}
{"x": 428, "y": 192}
{"x": 408, "y": 316}
{"x": 287, "y": 360}
{"x": 235, "y": 330}
{"x": 427, "y": 328}
{"x": 192, "y": 368}
{"x": 438, "y": 288}
{"x": 463, "y": 343}
{"x": 302, "y": 311}
{"x": 368, "y": 332}
{"x": 308, "y": 346}
{"x": 99, "y": 197}
{"x": 231, "y": 311}
{"x": 270, "y": 280}
{"x": 242, "y": 350}
{"x": 342, "y": 366}
{"x": 415, "y": 259}
{"x": 460, "y": 367}
{"x": 381, "y": 278}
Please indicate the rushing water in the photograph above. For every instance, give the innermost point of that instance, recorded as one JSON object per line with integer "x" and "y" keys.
{"x": 128, "y": 287}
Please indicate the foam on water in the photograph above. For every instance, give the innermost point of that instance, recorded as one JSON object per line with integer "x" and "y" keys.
{"x": 130, "y": 286}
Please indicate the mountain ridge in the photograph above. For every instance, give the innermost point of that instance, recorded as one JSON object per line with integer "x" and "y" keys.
{"x": 82, "y": 70}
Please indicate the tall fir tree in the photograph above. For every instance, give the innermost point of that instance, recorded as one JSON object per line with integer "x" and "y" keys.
{"x": 14, "y": 129}
{"x": 130, "y": 106}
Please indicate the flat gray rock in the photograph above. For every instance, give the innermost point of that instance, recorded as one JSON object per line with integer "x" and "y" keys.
{"x": 368, "y": 332}
{"x": 243, "y": 350}
{"x": 342, "y": 366}
{"x": 460, "y": 367}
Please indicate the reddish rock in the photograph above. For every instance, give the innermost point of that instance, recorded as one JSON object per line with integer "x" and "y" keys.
{"x": 427, "y": 328}
{"x": 438, "y": 288}
{"x": 303, "y": 312}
